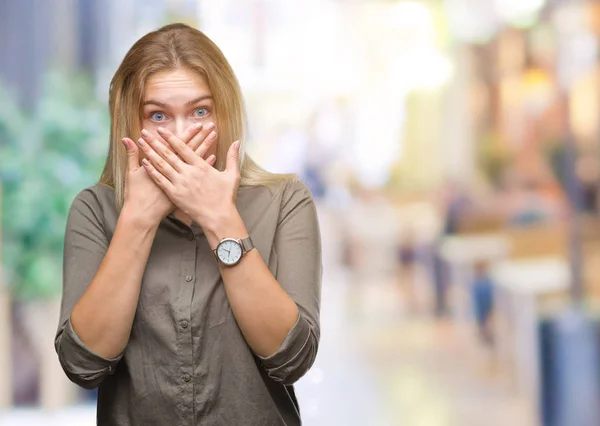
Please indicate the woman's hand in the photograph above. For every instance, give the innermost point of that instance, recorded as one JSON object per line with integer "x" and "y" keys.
{"x": 143, "y": 198}
{"x": 205, "y": 194}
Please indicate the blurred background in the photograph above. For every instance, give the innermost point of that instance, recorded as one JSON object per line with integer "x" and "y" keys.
{"x": 453, "y": 149}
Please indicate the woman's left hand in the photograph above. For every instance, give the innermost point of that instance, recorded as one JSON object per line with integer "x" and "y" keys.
{"x": 202, "y": 192}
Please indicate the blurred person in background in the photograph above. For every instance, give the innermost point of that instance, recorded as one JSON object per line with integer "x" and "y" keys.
{"x": 531, "y": 205}
{"x": 454, "y": 204}
{"x": 482, "y": 296}
{"x": 528, "y": 199}
{"x": 192, "y": 278}
{"x": 407, "y": 259}
{"x": 588, "y": 172}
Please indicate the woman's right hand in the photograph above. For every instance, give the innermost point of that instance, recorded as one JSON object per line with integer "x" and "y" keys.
{"x": 144, "y": 200}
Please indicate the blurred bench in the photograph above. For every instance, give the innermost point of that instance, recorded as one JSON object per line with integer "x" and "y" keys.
{"x": 530, "y": 269}
{"x": 536, "y": 274}
{"x": 523, "y": 286}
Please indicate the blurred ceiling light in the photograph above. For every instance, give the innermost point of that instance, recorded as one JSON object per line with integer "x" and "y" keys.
{"x": 410, "y": 14}
{"x": 420, "y": 68}
{"x": 522, "y": 13}
{"x": 471, "y": 20}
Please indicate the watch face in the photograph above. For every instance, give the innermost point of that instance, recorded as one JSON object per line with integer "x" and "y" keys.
{"x": 229, "y": 252}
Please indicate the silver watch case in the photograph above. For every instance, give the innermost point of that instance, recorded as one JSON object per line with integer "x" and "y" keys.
{"x": 244, "y": 244}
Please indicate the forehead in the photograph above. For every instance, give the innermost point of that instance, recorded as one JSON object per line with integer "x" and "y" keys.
{"x": 175, "y": 85}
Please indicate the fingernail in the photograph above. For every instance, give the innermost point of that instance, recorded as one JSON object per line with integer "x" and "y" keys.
{"x": 145, "y": 133}
{"x": 141, "y": 142}
{"x": 198, "y": 126}
{"x": 124, "y": 141}
{"x": 145, "y": 162}
{"x": 237, "y": 144}
{"x": 210, "y": 126}
{"x": 160, "y": 130}
{"x": 212, "y": 135}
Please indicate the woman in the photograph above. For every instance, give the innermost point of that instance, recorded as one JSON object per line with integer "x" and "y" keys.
{"x": 192, "y": 278}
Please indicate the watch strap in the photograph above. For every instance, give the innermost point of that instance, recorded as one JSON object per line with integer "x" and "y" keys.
{"x": 247, "y": 244}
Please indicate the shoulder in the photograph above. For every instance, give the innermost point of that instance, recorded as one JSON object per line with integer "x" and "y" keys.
{"x": 288, "y": 192}
{"x": 294, "y": 198}
{"x": 294, "y": 191}
{"x": 97, "y": 201}
{"x": 295, "y": 187}
{"x": 282, "y": 192}
{"x": 98, "y": 196}
{"x": 275, "y": 201}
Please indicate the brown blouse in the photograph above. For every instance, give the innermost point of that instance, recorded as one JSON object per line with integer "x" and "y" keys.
{"x": 186, "y": 362}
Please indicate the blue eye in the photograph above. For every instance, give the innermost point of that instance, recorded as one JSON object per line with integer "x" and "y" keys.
{"x": 157, "y": 116}
{"x": 201, "y": 112}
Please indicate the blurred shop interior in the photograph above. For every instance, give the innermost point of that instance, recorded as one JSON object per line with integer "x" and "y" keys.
{"x": 453, "y": 150}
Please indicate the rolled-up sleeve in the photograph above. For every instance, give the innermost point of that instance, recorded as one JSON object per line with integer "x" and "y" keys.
{"x": 81, "y": 365}
{"x": 299, "y": 272}
{"x": 86, "y": 244}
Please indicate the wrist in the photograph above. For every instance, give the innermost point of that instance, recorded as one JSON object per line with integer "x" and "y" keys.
{"x": 133, "y": 218}
{"x": 226, "y": 224}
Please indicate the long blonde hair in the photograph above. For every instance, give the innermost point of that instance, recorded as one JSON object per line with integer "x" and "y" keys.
{"x": 171, "y": 47}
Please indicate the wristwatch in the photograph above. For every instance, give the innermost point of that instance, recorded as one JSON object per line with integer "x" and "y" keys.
{"x": 229, "y": 252}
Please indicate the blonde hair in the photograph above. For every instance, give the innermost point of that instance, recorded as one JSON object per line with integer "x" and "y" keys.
{"x": 171, "y": 47}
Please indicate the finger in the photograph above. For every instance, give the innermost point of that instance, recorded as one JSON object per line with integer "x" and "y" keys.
{"x": 188, "y": 134}
{"x": 161, "y": 149}
{"x": 180, "y": 148}
{"x": 232, "y": 165}
{"x": 211, "y": 160}
{"x": 163, "y": 183}
{"x": 133, "y": 155}
{"x": 205, "y": 146}
{"x": 157, "y": 161}
{"x": 197, "y": 140}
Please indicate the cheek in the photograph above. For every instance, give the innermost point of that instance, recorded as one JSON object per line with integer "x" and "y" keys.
{"x": 151, "y": 126}
{"x": 148, "y": 125}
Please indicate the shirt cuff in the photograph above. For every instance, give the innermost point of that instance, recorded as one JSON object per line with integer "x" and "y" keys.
{"x": 81, "y": 364}
{"x": 291, "y": 357}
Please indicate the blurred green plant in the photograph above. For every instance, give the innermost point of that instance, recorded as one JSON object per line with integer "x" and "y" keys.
{"x": 47, "y": 156}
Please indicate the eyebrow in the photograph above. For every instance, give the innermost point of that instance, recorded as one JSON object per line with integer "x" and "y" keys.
{"x": 189, "y": 103}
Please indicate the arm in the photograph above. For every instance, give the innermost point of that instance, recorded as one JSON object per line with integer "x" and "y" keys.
{"x": 279, "y": 317}
{"x": 101, "y": 286}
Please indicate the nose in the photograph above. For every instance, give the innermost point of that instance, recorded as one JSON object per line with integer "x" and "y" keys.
{"x": 180, "y": 125}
